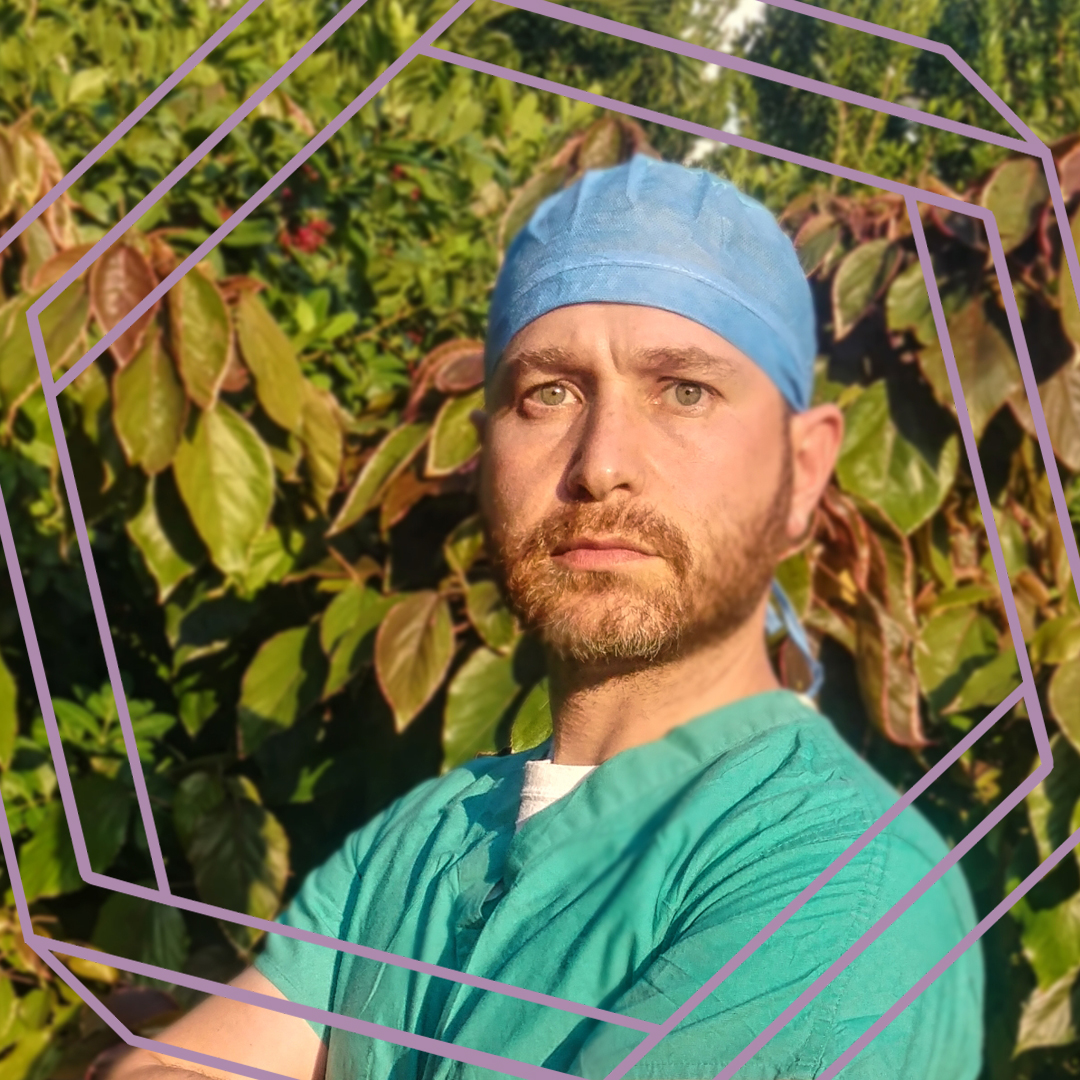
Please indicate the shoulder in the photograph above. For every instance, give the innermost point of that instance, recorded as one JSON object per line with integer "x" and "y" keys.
{"x": 444, "y": 808}
{"x": 783, "y": 805}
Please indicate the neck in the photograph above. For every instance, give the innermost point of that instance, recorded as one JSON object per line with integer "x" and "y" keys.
{"x": 599, "y": 711}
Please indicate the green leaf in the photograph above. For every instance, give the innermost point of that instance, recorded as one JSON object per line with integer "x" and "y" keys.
{"x": 859, "y": 278}
{"x": 8, "y": 176}
{"x": 391, "y": 456}
{"x": 454, "y": 439}
{"x": 907, "y": 306}
{"x": 24, "y": 1059}
{"x": 347, "y": 632}
{"x": 198, "y": 795}
{"x": 201, "y": 336}
{"x": 162, "y": 532}
{"x": 119, "y": 280}
{"x": 1014, "y": 194}
{"x": 87, "y": 85}
{"x": 476, "y": 702}
{"x": 1070, "y": 309}
{"x": 9, "y": 716}
{"x": 322, "y": 436}
{"x": 879, "y": 465}
{"x": 269, "y": 560}
{"x": 988, "y": 369}
{"x": 47, "y": 859}
{"x": 226, "y": 479}
{"x": 237, "y": 849}
{"x": 1056, "y": 641}
{"x": 413, "y": 648}
{"x": 962, "y": 596}
{"x": 281, "y": 683}
{"x": 465, "y": 544}
{"x": 1047, "y": 1016}
{"x": 269, "y": 355}
{"x": 951, "y": 645}
{"x": 63, "y": 323}
{"x": 816, "y": 240}
{"x": 142, "y": 930}
{"x": 490, "y": 616}
{"x": 532, "y": 724}
{"x": 149, "y": 407}
{"x": 989, "y": 684}
{"x": 1064, "y": 698}
{"x": 1052, "y": 804}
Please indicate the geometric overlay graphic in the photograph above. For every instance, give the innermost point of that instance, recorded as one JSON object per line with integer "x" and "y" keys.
{"x": 653, "y": 1033}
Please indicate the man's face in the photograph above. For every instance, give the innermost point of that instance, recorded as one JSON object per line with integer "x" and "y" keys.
{"x": 636, "y": 483}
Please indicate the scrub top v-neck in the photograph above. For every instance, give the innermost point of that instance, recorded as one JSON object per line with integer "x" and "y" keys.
{"x": 628, "y": 893}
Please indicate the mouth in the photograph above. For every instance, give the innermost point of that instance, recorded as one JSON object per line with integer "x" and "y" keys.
{"x": 592, "y": 553}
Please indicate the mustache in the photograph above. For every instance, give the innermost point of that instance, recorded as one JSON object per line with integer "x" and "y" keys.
{"x": 634, "y": 523}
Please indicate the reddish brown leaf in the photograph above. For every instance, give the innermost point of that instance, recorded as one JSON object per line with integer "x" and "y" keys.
{"x": 52, "y": 270}
{"x": 886, "y": 674}
{"x": 1069, "y": 172}
{"x": 402, "y": 495}
{"x": 118, "y": 281}
{"x": 461, "y": 373}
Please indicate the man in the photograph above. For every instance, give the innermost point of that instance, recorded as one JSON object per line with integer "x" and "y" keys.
{"x": 649, "y": 455}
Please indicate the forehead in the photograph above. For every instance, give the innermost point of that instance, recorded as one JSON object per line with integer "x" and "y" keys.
{"x": 626, "y": 337}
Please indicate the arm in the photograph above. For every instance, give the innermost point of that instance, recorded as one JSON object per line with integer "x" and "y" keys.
{"x": 236, "y": 1031}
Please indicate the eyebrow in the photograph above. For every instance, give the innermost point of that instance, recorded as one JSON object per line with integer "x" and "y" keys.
{"x": 690, "y": 359}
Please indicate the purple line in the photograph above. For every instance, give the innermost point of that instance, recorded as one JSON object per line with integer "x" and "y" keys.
{"x": 764, "y": 71}
{"x": 56, "y": 748}
{"x": 40, "y": 947}
{"x": 394, "y": 1035}
{"x": 1036, "y": 717}
{"x": 127, "y": 124}
{"x": 240, "y": 214}
{"x": 887, "y": 32}
{"x": 131, "y": 745}
{"x": 702, "y": 131}
{"x": 953, "y": 954}
{"x": 770, "y": 928}
{"x": 181, "y": 170}
{"x": 78, "y": 519}
{"x": 240, "y": 918}
{"x": 1038, "y": 723}
{"x": 883, "y": 924}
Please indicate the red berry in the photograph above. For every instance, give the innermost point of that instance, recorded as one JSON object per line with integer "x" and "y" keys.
{"x": 415, "y": 193}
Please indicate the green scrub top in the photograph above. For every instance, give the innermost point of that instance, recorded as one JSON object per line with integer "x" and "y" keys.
{"x": 628, "y": 894}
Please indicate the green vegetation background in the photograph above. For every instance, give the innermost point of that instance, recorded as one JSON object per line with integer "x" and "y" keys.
{"x": 276, "y": 465}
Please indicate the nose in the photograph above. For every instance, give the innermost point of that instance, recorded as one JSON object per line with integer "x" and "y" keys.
{"x": 608, "y": 457}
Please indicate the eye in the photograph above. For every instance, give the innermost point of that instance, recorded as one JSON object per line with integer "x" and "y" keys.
{"x": 688, "y": 393}
{"x": 551, "y": 395}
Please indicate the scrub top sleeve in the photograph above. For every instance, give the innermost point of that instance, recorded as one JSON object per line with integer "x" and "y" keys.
{"x": 303, "y": 971}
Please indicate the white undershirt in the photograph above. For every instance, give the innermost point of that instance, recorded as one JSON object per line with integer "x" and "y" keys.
{"x": 545, "y": 782}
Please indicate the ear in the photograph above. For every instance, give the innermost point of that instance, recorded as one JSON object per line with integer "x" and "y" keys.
{"x": 816, "y": 438}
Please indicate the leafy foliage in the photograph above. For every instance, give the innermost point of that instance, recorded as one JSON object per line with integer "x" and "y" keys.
{"x": 277, "y": 465}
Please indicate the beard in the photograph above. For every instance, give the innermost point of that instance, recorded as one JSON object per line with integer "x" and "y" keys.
{"x": 614, "y": 617}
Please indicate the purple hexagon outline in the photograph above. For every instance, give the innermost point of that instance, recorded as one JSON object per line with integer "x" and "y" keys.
{"x": 1029, "y": 144}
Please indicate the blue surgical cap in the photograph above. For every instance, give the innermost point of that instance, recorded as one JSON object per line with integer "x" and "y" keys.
{"x": 666, "y": 236}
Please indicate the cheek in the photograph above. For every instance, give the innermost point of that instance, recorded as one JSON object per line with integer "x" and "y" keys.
{"x": 516, "y": 486}
{"x": 725, "y": 477}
